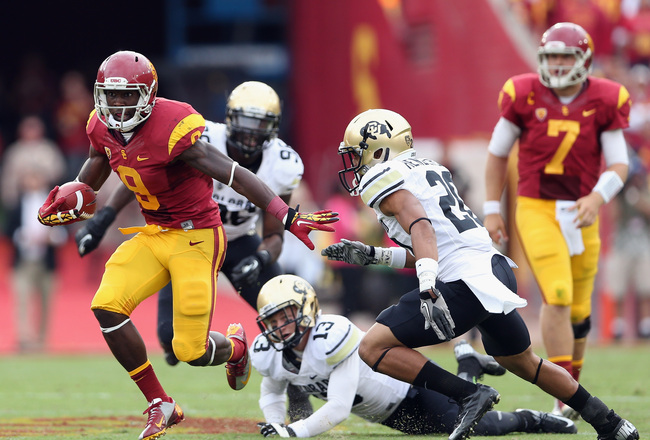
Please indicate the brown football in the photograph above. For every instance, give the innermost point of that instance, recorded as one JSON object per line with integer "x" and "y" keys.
{"x": 78, "y": 196}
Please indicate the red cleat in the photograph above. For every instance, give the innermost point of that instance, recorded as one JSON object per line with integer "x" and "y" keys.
{"x": 162, "y": 415}
{"x": 238, "y": 372}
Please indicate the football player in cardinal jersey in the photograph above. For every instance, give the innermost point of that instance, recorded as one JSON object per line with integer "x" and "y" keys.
{"x": 154, "y": 146}
{"x": 249, "y": 137}
{"x": 319, "y": 354}
{"x": 565, "y": 121}
{"x": 464, "y": 281}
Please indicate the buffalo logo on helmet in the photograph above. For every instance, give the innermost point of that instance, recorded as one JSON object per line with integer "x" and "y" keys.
{"x": 373, "y": 129}
{"x": 300, "y": 286}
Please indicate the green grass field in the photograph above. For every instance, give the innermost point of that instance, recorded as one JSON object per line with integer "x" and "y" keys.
{"x": 73, "y": 397}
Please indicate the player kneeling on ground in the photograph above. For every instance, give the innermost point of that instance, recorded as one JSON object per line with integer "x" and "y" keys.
{"x": 319, "y": 355}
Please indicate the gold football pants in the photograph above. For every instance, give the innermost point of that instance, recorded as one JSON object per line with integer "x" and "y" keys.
{"x": 144, "y": 264}
{"x": 564, "y": 280}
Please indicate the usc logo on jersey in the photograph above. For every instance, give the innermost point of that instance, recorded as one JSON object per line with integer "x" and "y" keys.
{"x": 108, "y": 152}
{"x": 541, "y": 113}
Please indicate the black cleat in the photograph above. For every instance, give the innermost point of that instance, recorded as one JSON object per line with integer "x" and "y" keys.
{"x": 624, "y": 430}
{"x": 538, "y": 421}
{"x": 464, "y": 350}
{"x": 471, "y": 409}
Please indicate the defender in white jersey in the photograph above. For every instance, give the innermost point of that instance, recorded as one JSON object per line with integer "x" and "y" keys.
{"x": 319, "y": 355}
{"x": 464, "y": 281}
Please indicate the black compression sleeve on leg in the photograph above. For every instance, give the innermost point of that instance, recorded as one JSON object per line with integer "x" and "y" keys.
{"x": 436, "y": 378}
{"x": 579, "y": 399}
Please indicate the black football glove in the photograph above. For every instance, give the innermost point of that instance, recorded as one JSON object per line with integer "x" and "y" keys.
{"x": 246, "y": 272}
{"x": 280, "y": 429}
{"x": 89, "y": 236}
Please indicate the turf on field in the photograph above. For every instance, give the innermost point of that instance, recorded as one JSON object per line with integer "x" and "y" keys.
{"x": 73, "y": 397}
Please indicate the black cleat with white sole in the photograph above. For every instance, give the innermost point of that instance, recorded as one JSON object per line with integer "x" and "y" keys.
{"x": 623, "y": 429}
{"x": 472, "y": 408}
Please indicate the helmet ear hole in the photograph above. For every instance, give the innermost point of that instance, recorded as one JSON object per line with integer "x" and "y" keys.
{"x": 378, "y": 153}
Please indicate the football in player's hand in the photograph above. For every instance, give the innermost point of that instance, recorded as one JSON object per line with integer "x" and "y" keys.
{"x": 78, "y": 196}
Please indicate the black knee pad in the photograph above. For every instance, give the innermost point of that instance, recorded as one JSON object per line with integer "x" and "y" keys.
{"x": 581, "y": 329}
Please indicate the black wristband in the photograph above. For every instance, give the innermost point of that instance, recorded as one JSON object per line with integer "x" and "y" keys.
{"x": 429, "y": 294}
{"x": 291, "y": 214}
{"x": 105, "y": 216}
{"x": 264, "y": 256}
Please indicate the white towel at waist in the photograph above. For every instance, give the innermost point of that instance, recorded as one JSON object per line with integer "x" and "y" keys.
{"x": 493, "y": 294}
{"x": 476, "y": 272}
{"x": 572, "y": 233}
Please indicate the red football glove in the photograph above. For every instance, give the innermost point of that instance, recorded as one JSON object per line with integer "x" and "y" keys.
{"x": 301, "y": 224}
{"x": 49, "y": 214}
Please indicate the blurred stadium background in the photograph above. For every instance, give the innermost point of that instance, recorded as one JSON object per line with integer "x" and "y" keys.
{"x": 437, "y": 62}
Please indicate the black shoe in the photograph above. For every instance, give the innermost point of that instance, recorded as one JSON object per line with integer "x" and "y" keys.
{"x": 464, "y": 350}
{"x": 538, "y": 421}
{"x": 624, "y": 430}
{"x": 471, "y": 409}
{"x": 171, "y": 358}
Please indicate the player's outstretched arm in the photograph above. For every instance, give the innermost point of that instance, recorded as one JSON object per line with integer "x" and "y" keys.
{"x": 342, "y": 389}
{"x": 207, "y": 159}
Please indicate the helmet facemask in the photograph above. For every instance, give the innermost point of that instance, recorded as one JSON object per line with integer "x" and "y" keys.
{"x": 142, "y": 108}
{"x": 353, "y": 167}
{"x": 252, "y": 118}
{"x": 248, "y": 131}
{"x": 371, "y": 138}
{"x": 565, "y": 39}
{"x": 566, "y": 75}
{"x": 126, "y": 71}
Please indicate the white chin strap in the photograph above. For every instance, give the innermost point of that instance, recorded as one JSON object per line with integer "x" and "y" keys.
{"x": 127, "y": 125}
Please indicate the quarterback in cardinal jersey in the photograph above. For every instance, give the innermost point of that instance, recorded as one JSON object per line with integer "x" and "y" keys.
{"x": 566, "y": 122}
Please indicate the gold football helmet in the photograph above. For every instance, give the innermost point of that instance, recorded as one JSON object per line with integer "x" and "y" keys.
{"x": 371, "y": 138}
{"x": 282, "y": 301}
{"x": 252, "y": 117}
